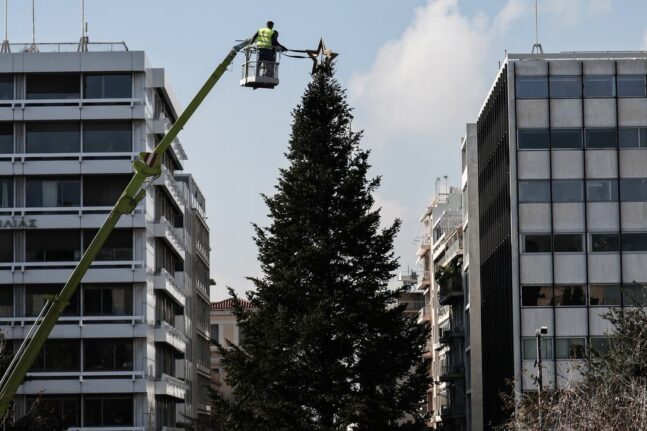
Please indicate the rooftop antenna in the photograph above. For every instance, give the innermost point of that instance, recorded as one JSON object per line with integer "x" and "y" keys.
{"x": 83, "y": 42}
{"x": 537, "y": 48}
{"x": 33, "y": 47}
{"x": 5, "y": 43}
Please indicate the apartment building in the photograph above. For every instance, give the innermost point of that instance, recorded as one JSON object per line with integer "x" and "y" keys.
{"x": 556, "y": 169}
{"x": 129, "y": 352}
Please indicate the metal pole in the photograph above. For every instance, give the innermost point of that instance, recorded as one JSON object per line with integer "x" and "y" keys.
{"x": 540, "y": 377}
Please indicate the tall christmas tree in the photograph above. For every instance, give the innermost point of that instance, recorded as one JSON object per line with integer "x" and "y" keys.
{"x": 324, "y": 348}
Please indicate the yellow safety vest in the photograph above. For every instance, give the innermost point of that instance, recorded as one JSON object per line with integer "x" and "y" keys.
{"x": 264, "y": 38}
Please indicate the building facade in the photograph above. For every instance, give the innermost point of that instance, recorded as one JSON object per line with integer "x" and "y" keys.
{"x": 129, "y": 352}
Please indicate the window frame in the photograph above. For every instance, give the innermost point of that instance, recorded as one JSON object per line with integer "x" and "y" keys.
{"x": 520, "y": 78}
{"x": 586, "y": 89}
{"x": 553, "y": 91}
{"x": 620, "y": 78}
{"x": 570, "y": 357}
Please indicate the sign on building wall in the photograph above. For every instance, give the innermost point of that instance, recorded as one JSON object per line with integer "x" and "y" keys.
{"x": 18, "y": 223}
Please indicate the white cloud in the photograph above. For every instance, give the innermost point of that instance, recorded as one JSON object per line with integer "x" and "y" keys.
{"x": 390, "y": 210}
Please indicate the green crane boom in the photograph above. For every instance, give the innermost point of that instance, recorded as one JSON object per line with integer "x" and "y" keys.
{"x": 147, "y": 167}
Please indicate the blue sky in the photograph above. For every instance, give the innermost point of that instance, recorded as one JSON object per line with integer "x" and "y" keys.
{"x": 416, "y": 72}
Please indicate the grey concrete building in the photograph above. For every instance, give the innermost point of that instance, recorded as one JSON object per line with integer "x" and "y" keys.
{"x": 131, "y": 350}
{"x": 556, "y": 171}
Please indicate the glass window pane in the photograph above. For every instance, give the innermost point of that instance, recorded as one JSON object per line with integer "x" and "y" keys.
{"x": 52, "y": 246}
{"x": 565, "y": 86}
{"x": 533, "y": 139}
{"x": 6, "y": 87}
{"x": 6, "y": 301}
{"x": 601, "y": 190}
{"x": 6, "y": 138}
{"x": 530, "y": 348}
{"x": 628, "y": 137}
{"x": 604, "y": 294}
{"x": 54, "y": 137}
{"x": 537, "y": 244}
{"x": 634, "y": 295}
{"x": 534, "y": 191}
{"x": 6, "y": 246}
{"x": 567, "y": 243}
{"x": 536, "y": 296}
{"x": 631, "y": 86}
{"x": 118, "y": 412}
{"x": 108, "y": 355}
{"x": 6, "y": 192}
{"x": 53, "y": 86}
{"x": 111, "y": 86}
{"x": 570, "y": 348}
{"x": 103, "y": 190}
{"x": 36, "y": 295}
{"x": 118, "y": 246}
{"x": 568, "y": 191}
{"x": 107, "y": 136}
{"x": 59, "y": 355}
{"x": 643, "y": 137}
{"x": 107, "y": 300}
{"x": 570, "y": 295}
{"x": 566, "y": 138}
{"x": 214, "y": 333}
{"x": 532, "y": 87}
{"x": 47, "y": 192}
{"x": 599, "y": 345}
{"x": 605, "y": 242}
{"x": 601, "y": 138}
{"x": 633, "y": 190}
{"x": 634, "y": 242}
{"x": 599, "y": 86}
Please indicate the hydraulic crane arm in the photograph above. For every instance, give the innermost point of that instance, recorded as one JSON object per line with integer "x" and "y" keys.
{"x": 146, "y": 168}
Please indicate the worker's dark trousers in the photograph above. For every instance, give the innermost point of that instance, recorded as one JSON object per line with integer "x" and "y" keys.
{"x": 266, "y": 60}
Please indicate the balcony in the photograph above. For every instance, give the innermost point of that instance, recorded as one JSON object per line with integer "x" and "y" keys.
{"x": 446, "y": 335}
{"x": 159, "y": 126}
{"x": 454, "y": 246}
{"x": 169, "y": 183}
{"x": 165, "y": 333}
{"x": 167, "y": 283}
{"x": 163, "y": 229}
{"x": 449, "y": 372}
{"x": 449, "y": 412}
{"x": 170, "y": 386}
{"x": 425, "y": 280}
{"x": 427, "y": 351}
{"x": 425, "y": 245}
{"x": 424, "y": 315}
{"x": 451, "y": 291}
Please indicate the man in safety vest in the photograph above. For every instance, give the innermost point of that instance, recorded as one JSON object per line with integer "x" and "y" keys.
{"x": 267, "y": 42}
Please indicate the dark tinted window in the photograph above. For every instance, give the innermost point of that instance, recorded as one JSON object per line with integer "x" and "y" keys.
{"x": 533, "y": 139}
{"x": 108, "y": 411}
{"x": 568, "y": 191}
{"x": 634, "y": 295}
{"x": 536, "y": 296}
{"x": 629, "y": 137}
{"x": 601, "y": 138}
{"x": 6, "y": 87}
{"x": 570, "y": 295}
{"x": 601, "y": 190}
{"x": 107, "y": 86}
{"x": 6, "y": 192}
{"x": 52, "y": 245}
{"x": 605, "y": 242}
{"x": 214, "y": 333}
{"x": 107, "y": 300}
{"x": 631, "y": 85}
{"x": 604, "y": 294}
{"x": 53, "y": 86}
{"x": 567, "y": 243}
{"x": 6, "y": 138}
{"x": 103, "y": 190}
{"x": 6, "y": 246}
{"x": 534, "y": 191}
{"x": 634, "y": 242}
{"x": 599, "y": 86}
{"x": 537, "y": 243}
{"x": 108, "y": 355}
{"x": 566, "y": 138}
{"x": 6, "y": 301}
{"x": 565, "y": 86}
{"x": 118, "y": 246}
{"x": 54, "y": 137}
{"x": 58, "y": 355}
{"x": 66, "y": 409}
{"x": 599, "y": 345}
{"x": 107, "y": 136}
{"x": 36, "y": 296}
{"x": 530, "y": 348}
{"x": 46, "y": 192}
{"x": 633, "y": 190}
{"x": 532, "y": 86}
{"x": 570, "y": 348}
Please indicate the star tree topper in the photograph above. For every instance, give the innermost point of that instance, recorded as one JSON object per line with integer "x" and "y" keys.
{"x": 322, "y": 57}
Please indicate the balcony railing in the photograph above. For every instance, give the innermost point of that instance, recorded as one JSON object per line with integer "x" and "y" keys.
{"x": 450, "y": 411}
{"x": 425, "y": 280}
{"x": 446, "y": 335}
{"x": 24, "y": 266}
{"x": 451, "y": 291}
{"x": 451, "y": 372}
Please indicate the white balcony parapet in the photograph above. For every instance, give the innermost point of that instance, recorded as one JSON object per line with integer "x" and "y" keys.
{"x": 25, "y": 103}
{"x": 80, "y": 156}
{"x": 81, "y": 375}
{"x": 179, "y": 149}
{"x": 159, "y": 126}
{"x": 165, "y": 333}
{"x": 80, "y": 320}
{"x": 167, "y": 283}
{"x": 163, "y": 229}
{"x": 24, "y": 266}
{"x": 171, "y": 386}
{"x": 166, "y": 180}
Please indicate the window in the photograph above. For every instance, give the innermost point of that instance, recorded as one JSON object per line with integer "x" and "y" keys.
{"x": 6, "y": 192}
{"x": 605, "y": 242}
{"x": 604, "y": 294}
{"x": 633, "y": 190}
{"x": 53, "y": 137}
{"x": 570, "y": 295}
{"x": 6, "y": 248}
{"x": 566, "y": 138}
{"x": 567, "y": 243}
{"x": 567, "y": 86}
{"x": 58, "y": 355}
{"x": 537, "y": 243}
{"x": 599, "y": 86}
{"x": 107, "y": 86}
{"x": 47, "y": 192}
{"x": 118, "y": 246}
{"x": 536, "y": 296}
{"x": 534, "y": 191}
{"x": 634, "y": 295}
{"x": 165, "y": 309}
{"x": 108, "y": 355}
{"x": 6, "y": 138}
{"x": 36, "y": 295}
{"x": 107, "y": 136}
{"x": 6, "y": 301}
{"x": 568, "y": 191}
{"x": 530, "y": 348}
{"x": 53, "y": 86}
{"x": 629, "y": 137}
{"x": 570, "y": 348}
{"x": 52, "y": 246}
{"x": 601, "y": 138}
{"x": 601, "y": 190}
{"x": 532, "y": 87}
{"x": 533, "y": 139}
{"x": 66, "y": 409}
{"x": 108, "y": 300}
{"x": 214, "y": 333}
{"x": 599, "y": 345}
{"x": 631, "y": 85}
{"x": 6, "y": 87}
{"x": 104, "y": 410}
{"x": 103, "y": 190}
{"x": 634, "y": 242}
